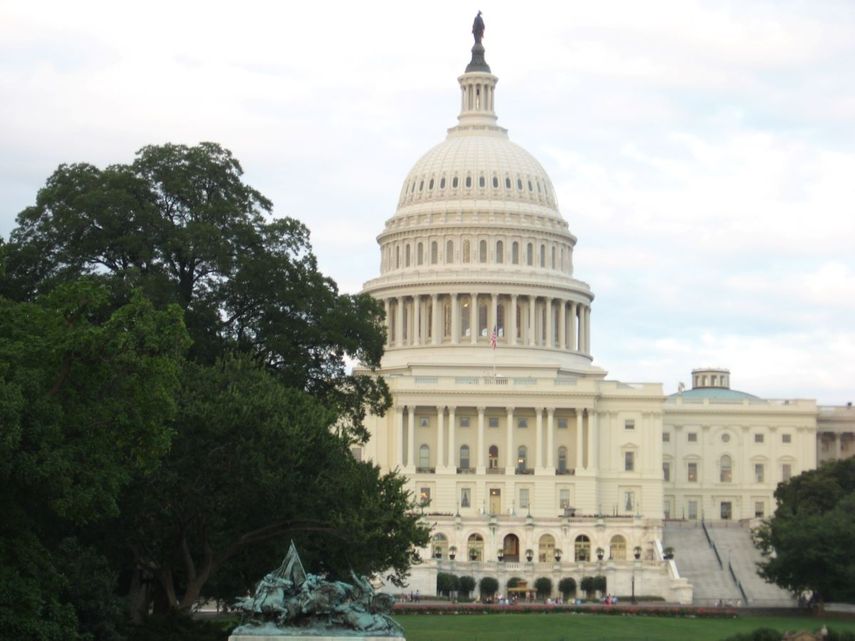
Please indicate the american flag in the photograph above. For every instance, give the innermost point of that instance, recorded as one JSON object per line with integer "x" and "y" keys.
{"x": 493, "y": 337}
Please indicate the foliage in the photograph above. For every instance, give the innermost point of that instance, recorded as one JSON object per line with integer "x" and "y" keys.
{"x": 760, "y": 634}
{"x": 587, "y": 585}
{"x": 446, "y": 583}
{"x": 543, "y": 585}
{"x": 567, "y": 587}
{"x": 179, "y": 627}
{"x": 599, "y": 584}
{"x": 466, "y": 585}
{"x": 488, "y": 586}
{"x": 807, "y": 542}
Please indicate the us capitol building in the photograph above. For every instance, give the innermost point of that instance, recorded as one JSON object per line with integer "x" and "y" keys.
{"x": 526, "y": 459}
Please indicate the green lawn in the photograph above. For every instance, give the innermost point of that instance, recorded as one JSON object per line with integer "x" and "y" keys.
{"x": 592, "y": 627}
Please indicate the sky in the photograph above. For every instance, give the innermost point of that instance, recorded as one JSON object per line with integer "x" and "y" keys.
{"x": 703, "y": 153}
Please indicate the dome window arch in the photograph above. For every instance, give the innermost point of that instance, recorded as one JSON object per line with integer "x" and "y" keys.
{"x": 468, "y": 182}
{"x": 507, "y": 182}
{"x": 449, "y": 252}
{"x": 455, "y": 182}
{"x": 538, "y": 186}
{"x": 397, "y": 256}
{"x": 430, "y": 185}
{"x": 421, "y": 185}
{"x": 519, "y": 184}
{"x": 413, "y": 188}
{"x": 442, "y": 183}
{"x": 500, "y": 252}
{"x": 515, "y": 253}
{"x": 543, "y": 255}
{"x": 407, "y": 255}
{"x": 482, "y": 251}
{"x": 434, "y": 252}
{"x": 420, "y": 254}
{"x": 466, "y": 251}
{"x": 530, "y": 187}
{"x": 495, "y": 182}
{"x": 553, "y": 257}
{"x": 529, "y": 255}
{"x": 482, "y": 182}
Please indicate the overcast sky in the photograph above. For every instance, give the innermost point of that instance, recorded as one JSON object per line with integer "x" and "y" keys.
{"x": 703, "y": 152}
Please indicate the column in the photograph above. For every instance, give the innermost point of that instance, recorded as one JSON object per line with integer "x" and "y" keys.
{"x": 417, "y": 320}
{"x": 509, "y": 443}
{"x": 388, "y": 307}
{"x": 435, "y": 326}
{"x": 452, "y": 426}
{"x": 531, "y": 332}
{"x": 579, "y": 442}
{"x": 455, "y": 319}
{"x": 480, "y": 468}
{"x": 399, "y": 433}
{"x": 550, "y": 324}
{"x": 411, "y": 438}
{"x": 440, "y": 438}
{"x": 587, "y": 329}
{"x": 494, "y": 314}
{"x": 473, "y": 318}
{"x": 583, "y": 328}
{"x": 399, "y": 321}
{"x": 572, "y": 330}
{"x": 513, "y": 320}
{"x": 538, "y": 437}
{"x": 562, "y": 325}
{"x": 550, "y": 440}
{"x": 593, "y": 444}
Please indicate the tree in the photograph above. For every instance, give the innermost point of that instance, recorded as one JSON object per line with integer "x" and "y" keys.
{"x": 86, "y": 396}
{"x": 543, "y": 586}
{"x": 466, "y": 585}
{"x": 587, "y": 586}
{"x": 599, "y": 584}
{"x": 488, "y": 586}
{"x": 567, "y": 587}
{"x": 446, "y": 583}
{"x": 807, "y": 543}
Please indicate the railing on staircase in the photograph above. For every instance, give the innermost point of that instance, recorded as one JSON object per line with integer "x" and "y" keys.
{"x": 738, "y": 583}
{"x": 712, "y": 545}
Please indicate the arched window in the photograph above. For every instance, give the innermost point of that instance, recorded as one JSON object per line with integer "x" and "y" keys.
{"x": 434, "y": 253}
{"x": 454, "y": 182}
{"x": 507, "y": 183}
{"x": 553, "y": 258}
{"x": 397, "y": 256}
{"x": 481, "y": 182}
{"x": 726, "y": 472}
{"x": 430, "y": 184}
{"x": 543, "y": 255}
{"x": 420, "y": 254}
{"x": 482, "y": 251}
{"x": 522, "y": 459}
{"x": 529, "y": 255}
{"x": 424, "y": 456}
{"x": 439, "y": 543}
{"x": 546, "y": 549}
{"x": 617, "y": 548}
{"x": 562, "y": 460}
{"x": 468, "y": 182}
{"x": 495, "y": 182}
{"x": 519, "y": 184}
{"x": 449, "y": 252}
{"x": 475, "y": 547}
{"x": 464, "y": 457}
{"x": 493, "y": 457}
{"x": 465, "y": 251}
{"x": 442, "y": 183}
{"x": 515, "y": 253}
{"x": 511, "y": 549}
{"x": 407, "y": 256}
{"x": 500, "y": 251}
{"x": 582, "y": 548}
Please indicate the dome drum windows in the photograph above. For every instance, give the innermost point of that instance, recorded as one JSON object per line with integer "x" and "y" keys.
{"x": 455, "y": 182}
{"x": 442, "y": 183}
{"x": 468, "y": 182}
{"x": 482, "y": 182}
{"x": 495, "y": 182}
{"x": 500, "y": 252}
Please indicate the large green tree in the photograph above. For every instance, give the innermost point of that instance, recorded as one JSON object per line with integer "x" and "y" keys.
{"x": 808, "y": 541}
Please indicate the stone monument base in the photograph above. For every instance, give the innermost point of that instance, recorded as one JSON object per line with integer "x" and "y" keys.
{"x": 308, "y": 637}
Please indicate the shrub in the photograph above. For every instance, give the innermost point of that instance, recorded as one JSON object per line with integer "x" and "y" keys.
{"x": 567, "y": 587}
{"x": 599, "y": 583}
{"x": 465, "y": 585}
{"x": 488, "y": 586}
{"x": 446, "y": 583}
{"x": 543, "y": 585}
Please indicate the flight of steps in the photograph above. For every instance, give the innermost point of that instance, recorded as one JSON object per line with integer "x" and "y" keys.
{"x": 734, "y": 544}
{"x": 696, "y": 561}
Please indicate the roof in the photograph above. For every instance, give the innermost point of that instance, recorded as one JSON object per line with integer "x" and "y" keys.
{"x": 715, "y": 393}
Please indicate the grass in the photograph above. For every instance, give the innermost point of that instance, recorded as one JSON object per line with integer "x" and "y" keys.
{"x": 592, "y": 627}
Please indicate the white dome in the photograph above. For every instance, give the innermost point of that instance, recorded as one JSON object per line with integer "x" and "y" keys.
{"x": 482, "y": 164}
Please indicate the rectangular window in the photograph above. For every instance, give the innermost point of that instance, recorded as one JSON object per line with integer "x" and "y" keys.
{"x": 562, "y": 423}
{"x": 692, "y": 510}
{"x": 523, "y": 499}
{"x": 666, "y": 437}
{"x": 465, "y": 497}
{"x": 758, "y": 472}
{"x": 629, "y": 461}
{"x": 464, "y": 421}
{"x": 666, "y": 471}
{"x": 758, "y": 438}
{"x": 424, "y": 496}
{"x": 693, "y": 437}
{"x": 424, "y": 421}
{"x": 759, "y": 510}
{"x": 726, "y": 510}
{"x": 629, "y": 424}
{"x": 787, "y": 438}
{"x": 356, "y": 452}
{"x": 522, "y": 423}
{"x": 563, "y": 498}
{"x": 786, "y": 471}
{"x": 493, "y": 421}
{"x": 693, "y": 473}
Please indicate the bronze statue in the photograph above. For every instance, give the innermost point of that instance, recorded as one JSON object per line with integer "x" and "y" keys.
{"x": 478, "y": 28}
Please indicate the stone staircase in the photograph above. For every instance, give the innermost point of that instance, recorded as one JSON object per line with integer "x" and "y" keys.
{"x": 697, "y": 562}
{"x": 737, "y": 551}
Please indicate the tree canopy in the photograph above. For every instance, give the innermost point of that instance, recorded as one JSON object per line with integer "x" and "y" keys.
{"x": 807, "y": 542}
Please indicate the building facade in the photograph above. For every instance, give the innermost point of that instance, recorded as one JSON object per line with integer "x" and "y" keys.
{"x": 525, "y": 458}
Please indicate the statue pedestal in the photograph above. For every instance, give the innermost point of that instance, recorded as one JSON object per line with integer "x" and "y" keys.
{"x": 290, "y": 637}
